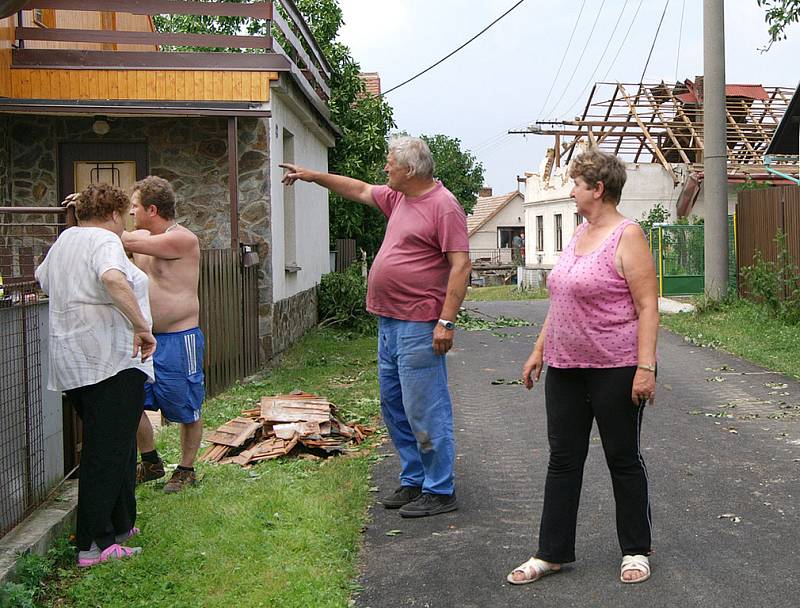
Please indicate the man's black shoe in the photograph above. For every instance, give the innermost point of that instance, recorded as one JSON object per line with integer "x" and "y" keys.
{"x": 401, "y": 496}
{"x": 430, "y": 504}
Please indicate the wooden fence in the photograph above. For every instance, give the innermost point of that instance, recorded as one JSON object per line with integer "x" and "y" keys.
{"x": 228, "y": 317}
{"x": 760, "y": 215}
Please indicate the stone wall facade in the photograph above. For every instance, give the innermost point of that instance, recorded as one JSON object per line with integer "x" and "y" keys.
{"x": 293, "y": 317}
{"x": 192, "y": 153}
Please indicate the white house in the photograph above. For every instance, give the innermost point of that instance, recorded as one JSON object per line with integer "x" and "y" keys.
{"x": 493, "y": 223}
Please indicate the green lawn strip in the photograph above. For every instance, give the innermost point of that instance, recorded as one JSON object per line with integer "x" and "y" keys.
{"x": 283, "y": 533}
{"x": 504, "y": 292}
{"x": 744, "y": 329}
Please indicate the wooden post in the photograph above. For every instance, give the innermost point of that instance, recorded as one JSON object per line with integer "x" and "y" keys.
{"x": 233, "y": 179}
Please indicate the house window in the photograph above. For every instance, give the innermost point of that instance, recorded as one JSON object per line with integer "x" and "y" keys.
{"x": 504, "y": 236}
{"x": 44, "y": 17}
{"x": 289, "y": 219}
{"x": 539, "y": 233}
{"x": 578, "y": 219}
{"x": 559, "y": 236}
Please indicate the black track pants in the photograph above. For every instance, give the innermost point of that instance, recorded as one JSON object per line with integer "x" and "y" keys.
{"x": 575, "y": 397}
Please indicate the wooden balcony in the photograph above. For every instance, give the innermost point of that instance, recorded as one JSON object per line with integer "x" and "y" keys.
{"x": 240, "y": 74}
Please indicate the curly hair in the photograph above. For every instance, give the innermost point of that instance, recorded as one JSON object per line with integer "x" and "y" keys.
{"x": 100, "y": 201}
{"x": 156, "y": 191}
{"x": 594, "y": 166}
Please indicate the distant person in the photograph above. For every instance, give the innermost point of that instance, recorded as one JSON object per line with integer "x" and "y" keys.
{"x": 416, "y": 285}
{"x": 170, "y": 255}
{"x": 599, "y": 343}
{"x": 100, "y": 345}
{"x": 517, "y": 244}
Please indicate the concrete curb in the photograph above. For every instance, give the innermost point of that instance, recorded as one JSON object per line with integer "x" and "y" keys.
{"x": 36, "y": 533}
{"x": 668, "y": 306}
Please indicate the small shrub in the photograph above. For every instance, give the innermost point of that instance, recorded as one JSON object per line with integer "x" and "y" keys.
{"x": 342, "y": 301}
{"x": 32, "y": 569}
{"x": 17, "y": 595}
{"x": 776, "y": 284}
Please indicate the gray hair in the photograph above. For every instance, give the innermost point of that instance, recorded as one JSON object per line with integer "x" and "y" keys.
{"x": 414, "y": 153}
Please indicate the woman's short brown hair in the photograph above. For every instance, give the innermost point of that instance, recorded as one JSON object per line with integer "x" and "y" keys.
{"x": 594, "y": 166}
{"x": 100, "y": 201}
{"x": 156, "y": 191}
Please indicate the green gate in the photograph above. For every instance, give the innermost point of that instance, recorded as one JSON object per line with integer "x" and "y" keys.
{"x": 679, "y": 254}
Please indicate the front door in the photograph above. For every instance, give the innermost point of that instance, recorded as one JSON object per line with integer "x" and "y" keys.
{"x": 118, "y": 164}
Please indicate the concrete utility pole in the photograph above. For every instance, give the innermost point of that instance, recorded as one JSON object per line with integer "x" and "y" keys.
{"x": 715, "y": 158}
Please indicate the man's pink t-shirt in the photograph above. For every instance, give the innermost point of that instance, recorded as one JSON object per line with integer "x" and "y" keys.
{"x": 408, "y": 279}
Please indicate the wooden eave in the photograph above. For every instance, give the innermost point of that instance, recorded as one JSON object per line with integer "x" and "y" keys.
{"x": 101, "y": 78}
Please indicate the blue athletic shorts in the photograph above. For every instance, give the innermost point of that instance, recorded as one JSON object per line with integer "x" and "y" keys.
{"x": 179, "y": 388}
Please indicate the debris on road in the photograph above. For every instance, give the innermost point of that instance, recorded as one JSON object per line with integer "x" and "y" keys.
{"x": 278, "y": 426}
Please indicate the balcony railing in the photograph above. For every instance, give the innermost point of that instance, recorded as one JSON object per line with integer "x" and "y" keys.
{"x": 298, "y": 51}
{"x": 504, "y": 256}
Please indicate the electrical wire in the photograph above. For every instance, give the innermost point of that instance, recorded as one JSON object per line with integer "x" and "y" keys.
{"x": 446, "y": 57}
{"x": 577, "y": 65}
{"x": 624, "y": 39}
{"x": 563, "y": 57}
{"x": 596, "y": 67}
{"x": 680, "y": 36}
{"x": 652, "y": 46}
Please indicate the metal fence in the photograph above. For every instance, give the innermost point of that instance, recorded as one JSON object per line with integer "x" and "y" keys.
{"x": 26, "y": 233}
{"x": 22, "y": 475}
{"x": 679, "y": 255}
{"x": 228, "y": 317}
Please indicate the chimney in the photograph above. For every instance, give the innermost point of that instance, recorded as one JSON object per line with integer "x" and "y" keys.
{"x": 485, "y": 192}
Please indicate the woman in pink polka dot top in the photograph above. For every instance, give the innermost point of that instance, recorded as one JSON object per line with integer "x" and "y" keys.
{"x": 599, "y": 343}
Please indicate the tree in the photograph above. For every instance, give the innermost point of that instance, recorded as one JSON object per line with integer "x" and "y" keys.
{"x": 364, "y": 120}
{"x": 780, "y": 14}
{"x": 458, "y": 170}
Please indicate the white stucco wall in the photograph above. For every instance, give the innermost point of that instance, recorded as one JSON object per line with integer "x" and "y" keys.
{"x": 311, "y": 201}
{"x": 647, "y": 184}
{"x": 512, "y": 215}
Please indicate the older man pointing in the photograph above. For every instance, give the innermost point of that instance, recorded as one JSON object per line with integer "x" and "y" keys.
{"x": 415, "y": 287}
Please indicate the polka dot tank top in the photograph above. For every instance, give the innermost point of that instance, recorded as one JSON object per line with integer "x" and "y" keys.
{"x": 592, "y": 319}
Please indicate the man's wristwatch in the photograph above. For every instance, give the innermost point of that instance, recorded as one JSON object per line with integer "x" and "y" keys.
{"x": 447, "y": 324}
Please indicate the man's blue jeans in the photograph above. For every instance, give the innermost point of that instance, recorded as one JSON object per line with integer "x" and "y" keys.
{"x": 415, "y": 403}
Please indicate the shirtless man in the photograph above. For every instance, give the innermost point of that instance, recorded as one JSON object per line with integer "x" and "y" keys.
{"x": 170, "y": 256}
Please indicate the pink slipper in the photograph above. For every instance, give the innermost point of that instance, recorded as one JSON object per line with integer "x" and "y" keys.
{"x": 121, "y": 538}
{"x": 113, "y": 552}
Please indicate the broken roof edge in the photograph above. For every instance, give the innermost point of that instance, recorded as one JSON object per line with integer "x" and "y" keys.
{"x": 784, "y": 140}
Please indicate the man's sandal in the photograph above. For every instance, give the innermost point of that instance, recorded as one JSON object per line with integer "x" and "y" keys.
{"x": 635, "y": 562}
{"x": 533, "y": 569}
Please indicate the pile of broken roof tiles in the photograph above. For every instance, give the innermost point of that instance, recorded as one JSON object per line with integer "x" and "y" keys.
{"x": 298, "y": 422}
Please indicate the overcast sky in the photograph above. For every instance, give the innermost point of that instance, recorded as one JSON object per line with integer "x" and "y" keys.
{"x": 501, "y": 80}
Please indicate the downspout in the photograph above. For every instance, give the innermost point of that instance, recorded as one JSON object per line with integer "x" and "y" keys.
{"x": 768, "y": 160}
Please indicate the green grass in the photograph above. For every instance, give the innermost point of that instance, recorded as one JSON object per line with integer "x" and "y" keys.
{"x": 504, "y": 292}
{"x": 743, "y": 328}
{"x": 284, "y": 533}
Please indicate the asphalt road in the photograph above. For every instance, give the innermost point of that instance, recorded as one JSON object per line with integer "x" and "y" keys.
{"x": 722, "y": 446}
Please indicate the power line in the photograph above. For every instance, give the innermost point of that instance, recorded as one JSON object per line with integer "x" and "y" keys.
{"x": 650, "y": 54}
{"x": 624, "y": 39}
{"x": 563, "y": 57}
{"x": 680, "y": 36}
{"x": 453, "y": 52}
{"x": 585, "y": 46}
{"x": 605, "y": 50}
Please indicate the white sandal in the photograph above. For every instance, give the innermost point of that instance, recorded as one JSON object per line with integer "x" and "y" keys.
{"x": 635, "y": 562}
{"x": 533, "y": 569}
